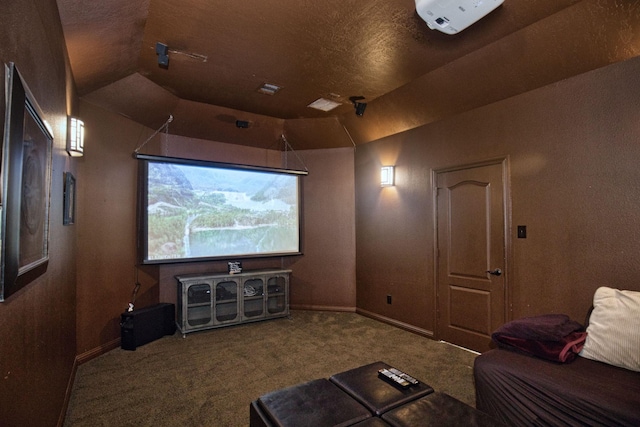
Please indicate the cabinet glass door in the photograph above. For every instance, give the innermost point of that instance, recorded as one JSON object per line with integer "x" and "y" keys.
{"x": 226, "y": 301}
{"x": 276, "y": 295}
{"x": 253, "y": 301}
{"x": 199, "y": 304}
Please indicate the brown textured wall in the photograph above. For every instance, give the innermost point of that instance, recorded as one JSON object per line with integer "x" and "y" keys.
{"x": 37, "y": 324}
{"x": 107, "y": 218}
{"x": 324, "y": 278}
{"x": 393, "y": 233}
{"x": 107, "y": 228}
{"x": 107, "y": 221}
{"x": 574, "y": 182}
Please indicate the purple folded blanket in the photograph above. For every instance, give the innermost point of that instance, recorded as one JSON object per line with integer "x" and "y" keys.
{"x": 551, "y": 336}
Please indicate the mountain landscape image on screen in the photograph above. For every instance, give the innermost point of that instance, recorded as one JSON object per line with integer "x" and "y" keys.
{"x": 200, "y": 212}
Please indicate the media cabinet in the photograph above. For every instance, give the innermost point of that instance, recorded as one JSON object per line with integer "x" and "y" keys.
{"x": 208, "y": 301}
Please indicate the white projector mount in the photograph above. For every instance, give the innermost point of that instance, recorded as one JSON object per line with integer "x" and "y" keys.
{"x": 453, "y": 16}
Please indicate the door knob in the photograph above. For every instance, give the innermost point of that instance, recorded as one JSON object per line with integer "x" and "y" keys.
{"x": 495, "y": 272}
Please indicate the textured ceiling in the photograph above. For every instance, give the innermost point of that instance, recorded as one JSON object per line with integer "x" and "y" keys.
{"x": 221, "y": 52}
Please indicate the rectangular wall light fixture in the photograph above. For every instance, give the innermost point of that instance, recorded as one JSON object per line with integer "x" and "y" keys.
{"x": 387, "y": 178}
{"x": 75, "y": 139}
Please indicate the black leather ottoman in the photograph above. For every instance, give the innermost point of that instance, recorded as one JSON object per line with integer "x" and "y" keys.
{"x": 374, "y": 393}
{"x": 372, "y": 422}
{"x": 438, "y": 409}
{"x": 315, "y": 403}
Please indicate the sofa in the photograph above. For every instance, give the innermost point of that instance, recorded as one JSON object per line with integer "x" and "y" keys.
{"x": 546, "y": 371}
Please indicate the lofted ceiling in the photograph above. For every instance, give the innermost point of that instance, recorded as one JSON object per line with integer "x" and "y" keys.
{"x": 222, "y": 52}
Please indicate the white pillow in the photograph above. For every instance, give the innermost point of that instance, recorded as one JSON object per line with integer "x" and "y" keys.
{"x": 613, "y": 334}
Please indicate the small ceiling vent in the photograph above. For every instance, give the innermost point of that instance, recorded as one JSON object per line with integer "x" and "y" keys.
{"x": 324, "y": 104}
{"x": 269, "y": 89}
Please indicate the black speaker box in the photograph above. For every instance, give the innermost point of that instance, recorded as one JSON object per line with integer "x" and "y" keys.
{"x": 139, "y": 327}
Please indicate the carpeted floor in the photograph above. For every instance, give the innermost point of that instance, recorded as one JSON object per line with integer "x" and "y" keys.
{"x": 210, "y": 377}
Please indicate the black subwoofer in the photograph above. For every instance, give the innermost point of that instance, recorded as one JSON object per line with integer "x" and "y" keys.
{"x": 139, "y": 327}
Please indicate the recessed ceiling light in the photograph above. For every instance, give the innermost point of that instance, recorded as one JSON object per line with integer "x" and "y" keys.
{"x": 323, "y": 104}
{"x": 269, "y": 89}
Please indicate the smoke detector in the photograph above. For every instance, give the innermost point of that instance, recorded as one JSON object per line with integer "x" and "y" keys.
{"x": 453, "y": 16}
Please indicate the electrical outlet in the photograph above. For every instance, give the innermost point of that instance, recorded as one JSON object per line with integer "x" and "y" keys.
{"x": 388, "y": 299}
{"x": 522, "y": 232}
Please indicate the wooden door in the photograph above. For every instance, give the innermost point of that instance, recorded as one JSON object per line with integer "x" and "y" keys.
{"x": 471, "y": 254}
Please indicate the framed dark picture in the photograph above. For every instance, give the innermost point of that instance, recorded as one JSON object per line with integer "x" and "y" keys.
{"x": 69, "y": 214}
{"x": 26, "y": 182}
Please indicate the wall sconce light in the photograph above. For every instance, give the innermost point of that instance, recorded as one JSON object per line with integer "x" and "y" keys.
{"x": 75, "y": 140}
{"x": 387, "y": 178}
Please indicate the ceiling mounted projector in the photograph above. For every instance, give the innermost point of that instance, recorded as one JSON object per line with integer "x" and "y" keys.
{"x": 453, "y": 16}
